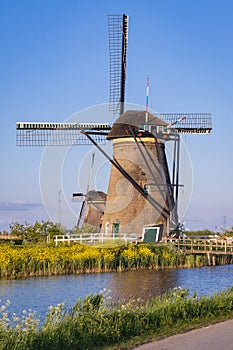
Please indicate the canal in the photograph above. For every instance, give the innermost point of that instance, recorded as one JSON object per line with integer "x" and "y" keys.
{"x": 40, "y": 293}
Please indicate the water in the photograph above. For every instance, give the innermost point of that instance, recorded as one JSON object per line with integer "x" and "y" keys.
{"x": 39, "y": 293}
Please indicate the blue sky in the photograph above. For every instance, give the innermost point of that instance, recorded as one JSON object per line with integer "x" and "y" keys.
{"x": 54, "y": 62}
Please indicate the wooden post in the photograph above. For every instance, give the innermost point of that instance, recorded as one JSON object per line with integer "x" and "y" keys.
{"x": 208, "y": 257}
{"x": 213, "y": 260}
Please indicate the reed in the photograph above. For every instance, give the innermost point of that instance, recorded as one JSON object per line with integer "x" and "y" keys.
{"x": 37, "y": 260}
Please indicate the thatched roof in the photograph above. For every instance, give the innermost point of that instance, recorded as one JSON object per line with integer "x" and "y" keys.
{"x": 134, "y": 119}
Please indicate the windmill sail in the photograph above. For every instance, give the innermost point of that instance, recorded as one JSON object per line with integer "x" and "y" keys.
{"x": 59, "y": 134}
{"x": 81, "y": 213}
{"x": 118, "y": 39}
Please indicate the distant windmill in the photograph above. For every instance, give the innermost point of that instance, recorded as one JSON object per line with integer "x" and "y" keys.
{"x": 93, "y": 203}
{"x": 142, "y": 194}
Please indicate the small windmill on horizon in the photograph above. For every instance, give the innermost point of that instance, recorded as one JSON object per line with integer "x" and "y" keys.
{"x": 142, "y": 194}
{"x": 93, "y": 203}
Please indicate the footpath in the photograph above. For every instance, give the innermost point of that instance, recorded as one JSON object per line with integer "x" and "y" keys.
{"x": 214, "y": 337}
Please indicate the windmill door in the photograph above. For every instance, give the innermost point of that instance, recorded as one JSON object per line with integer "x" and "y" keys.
{"x": 116, "y": 228}
{"x": 151, "y": 234}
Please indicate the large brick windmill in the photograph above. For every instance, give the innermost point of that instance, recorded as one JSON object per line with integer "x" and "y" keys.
{"x": 142, "y": 195}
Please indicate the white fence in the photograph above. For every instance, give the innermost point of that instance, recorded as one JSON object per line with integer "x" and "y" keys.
{"x": 89, "y": 238}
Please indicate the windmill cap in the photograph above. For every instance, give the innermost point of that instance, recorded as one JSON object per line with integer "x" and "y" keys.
{"x": 134, "y": 120}
{"x": 93, "y": 195}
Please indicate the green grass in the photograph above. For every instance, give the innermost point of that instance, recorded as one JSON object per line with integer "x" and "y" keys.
{"x": 96, "y": 323}
{"x": 110, "y": 243}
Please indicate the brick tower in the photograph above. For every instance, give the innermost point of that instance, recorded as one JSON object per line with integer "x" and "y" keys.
{"x": 142, "y": 156}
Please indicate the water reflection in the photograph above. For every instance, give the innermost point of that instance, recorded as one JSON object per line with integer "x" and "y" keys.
{"x": 144, "y": 283}
{"x": 39, "y": 293}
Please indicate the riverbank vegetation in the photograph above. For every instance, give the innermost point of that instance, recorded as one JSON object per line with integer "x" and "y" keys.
{"x": 37, "y": 260}
{"x": 98, "y": 323}
{"x": 37, "y": 255}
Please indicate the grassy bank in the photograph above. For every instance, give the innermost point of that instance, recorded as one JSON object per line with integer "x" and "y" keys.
{"x": 36, "y": 260}
{"x": 95, "y": 323}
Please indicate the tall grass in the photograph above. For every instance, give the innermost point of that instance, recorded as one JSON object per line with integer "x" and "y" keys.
{"x": 36, "y": 260}
{"x": 95, "y": 323}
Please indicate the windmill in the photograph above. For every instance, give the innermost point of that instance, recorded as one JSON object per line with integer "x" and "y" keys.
{"x": 93, "y": 203}
{"x": 142, "y": 194}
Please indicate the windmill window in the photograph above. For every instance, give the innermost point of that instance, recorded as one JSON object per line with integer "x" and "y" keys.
{"x": 146, "y": 189}
{"x": 106, "y": 227}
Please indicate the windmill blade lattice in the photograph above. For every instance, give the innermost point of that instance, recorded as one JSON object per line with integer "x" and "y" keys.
{"x": 118, "y": 39}
{"x": 59, "y": 134}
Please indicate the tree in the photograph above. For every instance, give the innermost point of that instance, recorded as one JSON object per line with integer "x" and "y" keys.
{"x": 37, "y": 232}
